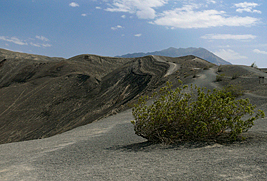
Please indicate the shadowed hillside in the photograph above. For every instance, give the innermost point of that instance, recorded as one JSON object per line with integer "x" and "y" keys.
{"x": 43, "y": 98}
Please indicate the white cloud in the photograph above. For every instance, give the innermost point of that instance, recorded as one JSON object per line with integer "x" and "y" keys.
{"x": 247, "y": 7}
{"x": 123, "y": 16}
{"x": 260, "y": 51}
{"x": 257, "y": 11}
{"x": 138, "y": 35}
{"x": 229, "y": 55}
{"x": 98, "y": 7}
{"x": 84, "y": 14}
{"x": 35, "y": 44}
{"x": 22, "y": 42}
{"x": 46, "y": 45}
{"x": 144, "y": 9}
{"x": 248, "y": 10}
{"x": 211, "y": 2}
{"x": 40, "y": 44}
{"x": 13, "y": 40}
{"x": 74, "y": 4}
{"x": 228, "y": 37}
{"x": 187, "y": 17}
{"x": 116, "y": 27}
{"x": 42, "y": 38}
{"x": 148, "y": 13}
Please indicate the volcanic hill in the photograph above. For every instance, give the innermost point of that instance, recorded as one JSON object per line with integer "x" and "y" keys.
{"x": 43, "y": 96}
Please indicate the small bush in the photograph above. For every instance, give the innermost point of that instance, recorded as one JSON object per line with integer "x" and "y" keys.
{"x": 219, "y": 78}
{"x": 220, "y": 69}
{"x": 182, "y": 115}
{"x": 254, "y": 65}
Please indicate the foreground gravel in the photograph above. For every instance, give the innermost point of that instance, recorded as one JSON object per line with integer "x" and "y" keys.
{"x": 109, "y": 150}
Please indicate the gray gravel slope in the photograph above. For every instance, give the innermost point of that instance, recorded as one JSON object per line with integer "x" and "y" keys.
{"x": 109, "y": 150}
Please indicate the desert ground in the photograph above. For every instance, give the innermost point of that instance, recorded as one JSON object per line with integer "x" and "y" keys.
{"x": 107, "y": 148}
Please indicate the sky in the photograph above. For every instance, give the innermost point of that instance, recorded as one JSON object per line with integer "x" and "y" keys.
{"x": 235, "y": 30}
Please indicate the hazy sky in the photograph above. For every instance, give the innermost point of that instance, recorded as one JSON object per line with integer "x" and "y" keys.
{"x": 235, "y": 30}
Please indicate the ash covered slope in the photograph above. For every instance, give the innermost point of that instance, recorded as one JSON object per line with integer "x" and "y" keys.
{"x": 46, "y": 97}
{"x": 174, "y": 52}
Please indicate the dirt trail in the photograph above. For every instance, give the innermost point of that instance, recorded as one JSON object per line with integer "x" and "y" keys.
{"x": 173, "y": 66}
{"x": 207, "y": 79}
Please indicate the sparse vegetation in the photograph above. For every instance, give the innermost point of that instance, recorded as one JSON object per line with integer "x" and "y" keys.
{"x": 219, "y": 69}
{"x": 234, "y": 90}
{"x": 219, "y": 77}
{"x": 254, "y": 65}
{"x": 190, "y": 114}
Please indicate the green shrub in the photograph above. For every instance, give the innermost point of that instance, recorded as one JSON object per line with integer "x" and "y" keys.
{"x": 190, "y": 114}
{"x": 234, "y": 90}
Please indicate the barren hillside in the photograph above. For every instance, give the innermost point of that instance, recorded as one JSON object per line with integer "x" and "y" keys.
{"x": 42, "y": 96}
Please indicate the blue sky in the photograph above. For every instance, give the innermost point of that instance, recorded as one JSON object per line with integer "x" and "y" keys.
{"x": 235, "y": 30}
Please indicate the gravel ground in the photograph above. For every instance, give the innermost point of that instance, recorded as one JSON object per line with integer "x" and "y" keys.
{"x": 109, "y": 150}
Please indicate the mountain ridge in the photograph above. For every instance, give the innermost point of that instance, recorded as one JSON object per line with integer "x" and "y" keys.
{"x": 179, "y": 52}
{"x": 9, "y": 54}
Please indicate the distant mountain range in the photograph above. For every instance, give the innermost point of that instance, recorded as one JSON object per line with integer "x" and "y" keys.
{"x": 174, "y": 52}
